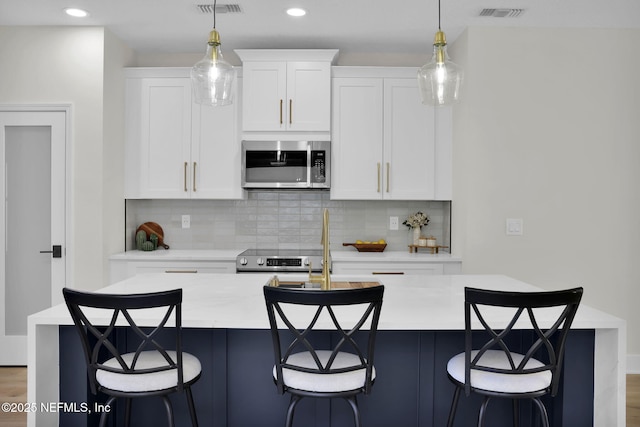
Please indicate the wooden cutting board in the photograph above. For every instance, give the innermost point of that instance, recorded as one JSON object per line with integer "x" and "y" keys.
{"x": 153, "y": 228}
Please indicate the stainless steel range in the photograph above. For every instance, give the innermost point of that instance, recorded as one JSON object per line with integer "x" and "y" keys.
{"x": 279, "y": 260}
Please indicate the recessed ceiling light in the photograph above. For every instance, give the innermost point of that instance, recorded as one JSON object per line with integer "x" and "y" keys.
{"x": 296, "y": 11}
{"x": 76, "y": 13}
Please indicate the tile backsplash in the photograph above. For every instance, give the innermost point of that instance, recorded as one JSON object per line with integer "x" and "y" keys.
{"x": 284, "y": 220}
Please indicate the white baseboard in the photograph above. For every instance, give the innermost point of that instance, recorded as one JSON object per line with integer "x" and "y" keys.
{"x": 633, "y": 363}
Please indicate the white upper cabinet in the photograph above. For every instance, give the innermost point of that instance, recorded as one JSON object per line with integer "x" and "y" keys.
{"x": 409, "y": 143}
{"x": 175, "y": 148}
{"x": 216, "y": 151}
{"x": 286, "y": 90}
{"x": 357, "y": 139}
{"x": 385, "y": 143}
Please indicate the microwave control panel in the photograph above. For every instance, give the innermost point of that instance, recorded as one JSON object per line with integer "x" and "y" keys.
{"x": 318, "y": 162}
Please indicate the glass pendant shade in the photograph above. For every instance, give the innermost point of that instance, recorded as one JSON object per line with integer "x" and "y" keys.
{"x": 212, "y": 77}
{"x": 440, "y": 80}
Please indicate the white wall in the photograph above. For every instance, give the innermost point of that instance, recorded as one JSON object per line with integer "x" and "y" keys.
{"x": 58, "y": 65}
{"x": 549, "y": 131}
{"x": 116, "y": 56}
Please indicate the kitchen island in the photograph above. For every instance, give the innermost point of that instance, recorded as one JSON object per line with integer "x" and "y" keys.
{"x": 421, "y": 326}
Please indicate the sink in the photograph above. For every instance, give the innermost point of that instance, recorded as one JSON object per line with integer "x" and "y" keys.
{"x": 337, "y": 282}
{"x": 298, "y": 285}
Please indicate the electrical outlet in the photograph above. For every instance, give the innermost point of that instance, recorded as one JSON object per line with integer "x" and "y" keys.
{"x": 186, "y": 221}
{"x": 393, "y": 223}
{"x": 514, "y": 227}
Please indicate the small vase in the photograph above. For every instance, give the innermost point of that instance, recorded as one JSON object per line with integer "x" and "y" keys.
{"x": 416, "y": 235}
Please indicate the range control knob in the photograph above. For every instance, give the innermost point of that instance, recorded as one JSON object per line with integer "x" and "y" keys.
{"x": 243, "y": 261}
{"x": 260, "y": 261}
{"x": 306, "y": 262}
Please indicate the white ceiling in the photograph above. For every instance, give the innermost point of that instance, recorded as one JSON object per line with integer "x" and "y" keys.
{"x": 354, "y": 26}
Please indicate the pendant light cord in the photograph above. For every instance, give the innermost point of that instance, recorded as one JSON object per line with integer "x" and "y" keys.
{"x": 214, "y": 13}
{"x": 440, "y": 29}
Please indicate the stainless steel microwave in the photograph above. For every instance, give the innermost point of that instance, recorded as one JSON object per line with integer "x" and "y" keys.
{"x": 286, "y": 164}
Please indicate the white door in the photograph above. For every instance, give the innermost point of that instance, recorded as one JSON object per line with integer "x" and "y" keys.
{"x": 264, "y": 96}
{"x": 33, "y": 198}
{"x": 409, "y": 142}
{"x": 165, "y": 138}
{"x": 357, "y": 139}
{"x": 216, "y": 152}
{"x": 308, "y": 105}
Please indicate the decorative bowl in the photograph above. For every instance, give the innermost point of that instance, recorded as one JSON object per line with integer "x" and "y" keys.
{"x": 367, "y": 247}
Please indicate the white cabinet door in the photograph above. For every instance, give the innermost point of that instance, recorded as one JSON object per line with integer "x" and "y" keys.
{"x": 387, "y": 268}
{"x": 177, "y": 149}
{"x": 384, "y": 142}
{"x": 308, "y": 104}
{"x": 409, "y": 142}
{"x": 264, "y": 96}
{"x": 286, "y": 96}
{"x": 165, "y": 120}
{"x": 215, "y": 153}
{"x": 357, "y": 137}
{"x": 121, "y": 270}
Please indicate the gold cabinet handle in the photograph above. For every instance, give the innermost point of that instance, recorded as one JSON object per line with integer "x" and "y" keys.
{"x": 281, "y": 111}
{"x": 378, "y": 177}
{"x": 388, "y": 176}
{"x": 185, "y": 176}
{"x": 194, "y": 177}
{"x": 290, "y": 111}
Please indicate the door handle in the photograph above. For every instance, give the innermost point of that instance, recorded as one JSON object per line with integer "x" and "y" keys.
{"x": 194, "y": 176}
{"x": 387, "y": 177}
{"x": 185, "y": 177}
{"x": 56, "y": 251}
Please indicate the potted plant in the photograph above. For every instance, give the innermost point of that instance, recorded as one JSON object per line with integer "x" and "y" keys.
{"x": 415, "y": 222}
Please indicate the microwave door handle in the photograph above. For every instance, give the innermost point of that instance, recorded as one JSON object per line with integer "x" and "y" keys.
{"x": 309, "y": 183}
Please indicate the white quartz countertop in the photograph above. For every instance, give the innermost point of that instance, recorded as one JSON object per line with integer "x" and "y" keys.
{"x": 178, "y": 255}
{"x": 236, "y": 301}
{"x": 230, "y": 255}
{"x": 392, "y": 256}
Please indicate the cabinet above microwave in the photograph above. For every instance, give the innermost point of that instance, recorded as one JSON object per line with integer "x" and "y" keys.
{"x": 286, "y": 90}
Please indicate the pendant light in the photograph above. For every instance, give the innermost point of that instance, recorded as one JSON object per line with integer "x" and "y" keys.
{"x": 440, "y": 79}
{"x": 212, "y": 77}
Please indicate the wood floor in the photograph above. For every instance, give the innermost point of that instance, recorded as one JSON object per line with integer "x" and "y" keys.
{"x": 13, "y": 389}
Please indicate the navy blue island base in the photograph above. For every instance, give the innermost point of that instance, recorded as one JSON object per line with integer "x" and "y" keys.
{"x": 411, "y": 390}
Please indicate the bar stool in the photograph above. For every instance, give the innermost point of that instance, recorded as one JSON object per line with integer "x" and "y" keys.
{"x": 151, "y": 370}
{"x": 343, "y": 370}
{"x": 493, "y": 370}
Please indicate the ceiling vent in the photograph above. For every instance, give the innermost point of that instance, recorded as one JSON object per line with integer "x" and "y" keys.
{"x": 502, "y": 13}
{"x": 207, "y": 9}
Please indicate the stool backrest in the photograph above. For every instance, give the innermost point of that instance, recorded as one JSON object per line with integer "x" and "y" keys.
{"x": 367, "y": 302}
{"x": 549, "y": 339}
{"x": 98, "y": 340}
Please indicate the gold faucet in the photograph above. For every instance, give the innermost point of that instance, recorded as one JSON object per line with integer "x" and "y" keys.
{"x": 325, "y": 278}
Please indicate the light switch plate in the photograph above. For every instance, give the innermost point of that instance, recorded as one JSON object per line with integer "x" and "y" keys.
{"x": 514, "y": 227}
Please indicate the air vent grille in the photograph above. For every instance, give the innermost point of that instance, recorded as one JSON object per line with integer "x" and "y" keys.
{"x": 220, "y": 8}
{"x": 502, "y": 13}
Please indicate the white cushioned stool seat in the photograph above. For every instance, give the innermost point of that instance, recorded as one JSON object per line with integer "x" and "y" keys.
{"x": 151, "y": 381}
{"x": 325, "y": 383}
{"x": 503, "y": 383}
